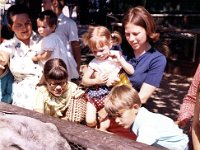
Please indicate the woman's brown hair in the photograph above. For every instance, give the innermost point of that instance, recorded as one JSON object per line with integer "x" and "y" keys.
{"x": 141, "y": 17}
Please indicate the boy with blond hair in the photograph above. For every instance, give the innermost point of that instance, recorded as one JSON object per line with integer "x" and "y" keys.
{"x": 123, "y": 103}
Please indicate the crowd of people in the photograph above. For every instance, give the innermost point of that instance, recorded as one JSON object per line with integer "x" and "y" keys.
{"x": 38, "y": 70}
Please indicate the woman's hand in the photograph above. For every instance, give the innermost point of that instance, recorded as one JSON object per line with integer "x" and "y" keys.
{"x": 4, "y": 59}
{"x": 106, "y": 79}
{"x": 34, "y": 58}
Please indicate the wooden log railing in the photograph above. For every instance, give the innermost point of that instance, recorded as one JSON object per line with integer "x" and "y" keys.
{"x": 77, "y": 134}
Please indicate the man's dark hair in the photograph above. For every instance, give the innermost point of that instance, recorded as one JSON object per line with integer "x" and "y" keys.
{"x": 15, "y": 10}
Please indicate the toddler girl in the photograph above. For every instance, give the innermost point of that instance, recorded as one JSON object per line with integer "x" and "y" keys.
{"x": 102, "y": 71}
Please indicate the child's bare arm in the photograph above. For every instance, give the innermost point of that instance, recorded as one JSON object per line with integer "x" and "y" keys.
{"x": 128, "y": 68}
{"x": 117, "y": 56}
{"x": 98, "y": 79}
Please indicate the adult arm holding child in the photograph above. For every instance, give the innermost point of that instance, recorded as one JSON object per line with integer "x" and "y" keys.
{"x": 148, "y": 62}
{"x": 51, "y": 45}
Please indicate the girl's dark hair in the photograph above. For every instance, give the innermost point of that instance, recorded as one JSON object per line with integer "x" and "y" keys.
{"x": 15, "y": 10}
{"x": 55, "y": 69}
{"x": 49, "y": 16}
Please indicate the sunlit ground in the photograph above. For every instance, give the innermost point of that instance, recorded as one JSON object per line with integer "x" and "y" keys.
{"x": 168, "y": 98}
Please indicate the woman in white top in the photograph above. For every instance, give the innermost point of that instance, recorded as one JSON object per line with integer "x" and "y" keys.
{"x": 21, "y": 50}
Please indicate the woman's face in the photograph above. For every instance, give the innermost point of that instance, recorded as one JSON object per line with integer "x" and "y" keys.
{"x": 44, "y": 29}
{"x": 136, "y": 36}
{"x": 56, "y": 87}
{"x": 22, "y": 27}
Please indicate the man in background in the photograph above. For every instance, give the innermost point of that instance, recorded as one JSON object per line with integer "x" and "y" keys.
{"x": 67, "y": 28}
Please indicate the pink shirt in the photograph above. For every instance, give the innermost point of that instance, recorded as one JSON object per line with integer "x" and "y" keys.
{"x": 187, "y": 108}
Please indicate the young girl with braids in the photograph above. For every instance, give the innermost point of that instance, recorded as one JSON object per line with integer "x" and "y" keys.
{"x": 106, "y": 65}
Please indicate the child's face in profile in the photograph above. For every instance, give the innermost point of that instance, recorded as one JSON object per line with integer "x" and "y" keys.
{"x": 126, "y": 117}
{"x": 43, "y": 28}
{"x": 56, "y": 87}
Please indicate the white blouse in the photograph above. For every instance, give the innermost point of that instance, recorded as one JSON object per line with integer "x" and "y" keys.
{"x": 26, "y": 73}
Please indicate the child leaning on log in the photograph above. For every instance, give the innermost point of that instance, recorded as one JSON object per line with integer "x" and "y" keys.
{"x": 123, "y": 104}
{"x": 58, "y": 97}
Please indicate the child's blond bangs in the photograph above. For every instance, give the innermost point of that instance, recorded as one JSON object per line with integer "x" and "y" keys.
{"x": 97, "y": 43}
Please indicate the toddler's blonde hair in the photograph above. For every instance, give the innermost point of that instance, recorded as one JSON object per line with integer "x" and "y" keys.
{"x": 99, "y": 36}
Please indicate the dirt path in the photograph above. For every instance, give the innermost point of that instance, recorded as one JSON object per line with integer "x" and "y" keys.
{"x": 168, "y": 98}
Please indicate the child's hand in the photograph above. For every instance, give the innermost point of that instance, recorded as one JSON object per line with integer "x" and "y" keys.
{"x": 102, "y": 114}
{"x": 104, "y": 125}
{"x": 4, "y": 59}
{"x": 103, "y": 120}
{"x": 116, "y": 56}
{"x": 101, "y": 78}
{"x": 2, "y": 67}
{"x": 34, "y": 58}
{"x": 112, "y": 80}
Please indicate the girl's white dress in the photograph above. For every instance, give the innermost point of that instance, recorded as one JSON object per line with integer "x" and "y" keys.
{"x": 53, "y": 43}
{"x": 108, "y": 66}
